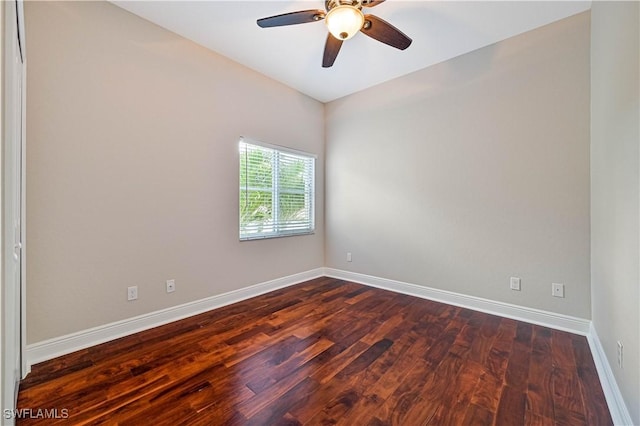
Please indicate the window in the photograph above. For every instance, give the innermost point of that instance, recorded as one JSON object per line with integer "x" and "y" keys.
{"x": 276, "y": 191}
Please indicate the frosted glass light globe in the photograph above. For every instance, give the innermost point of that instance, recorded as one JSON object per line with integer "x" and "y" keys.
{"x": 344, "y": 21}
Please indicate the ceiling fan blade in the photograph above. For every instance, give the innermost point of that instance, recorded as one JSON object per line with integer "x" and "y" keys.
{"x": 331, "y": 49}
{"x": 384, "y": 32}
{"x": 292, "y": 18}
{"x": 371, "y": 3}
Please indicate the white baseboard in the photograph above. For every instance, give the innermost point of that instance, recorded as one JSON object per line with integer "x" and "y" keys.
{"x": 52, "y": 348}
{"x": 520, "y": 313}
{"x": 617, "y": 407}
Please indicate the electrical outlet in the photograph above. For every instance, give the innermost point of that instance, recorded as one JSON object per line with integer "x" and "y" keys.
{"x": 557, "y": 290}
{"x": 132, "y": 292}
{"x": 348, "y": 257}
{"x": 514, "y": 283}
{"x": 171, "y": 286}
{"x": 620, "y": 347}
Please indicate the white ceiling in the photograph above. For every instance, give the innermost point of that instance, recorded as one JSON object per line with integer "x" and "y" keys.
{"x": 292, "y": 55}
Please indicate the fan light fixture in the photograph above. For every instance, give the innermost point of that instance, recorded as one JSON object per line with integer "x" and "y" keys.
{"x": 344, "y": 21}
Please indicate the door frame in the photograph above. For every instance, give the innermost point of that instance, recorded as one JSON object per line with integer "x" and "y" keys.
{"x": 12, "y": 214}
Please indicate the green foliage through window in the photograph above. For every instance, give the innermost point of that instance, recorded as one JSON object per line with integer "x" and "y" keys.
{"x": 276, "y": 192}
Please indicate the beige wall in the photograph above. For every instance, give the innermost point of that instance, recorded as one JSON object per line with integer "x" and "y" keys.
{"x": 132, "y": 168}
{"x": 466, "y": 173}
{"x": 615, "y": 189}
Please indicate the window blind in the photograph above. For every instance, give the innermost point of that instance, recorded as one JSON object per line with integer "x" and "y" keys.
{"x": 276, "y": 191}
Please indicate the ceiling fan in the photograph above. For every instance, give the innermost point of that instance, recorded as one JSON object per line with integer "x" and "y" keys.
{"x": 344, "y": 18}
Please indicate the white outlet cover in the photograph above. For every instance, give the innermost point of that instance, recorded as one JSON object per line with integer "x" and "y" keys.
{"x": 514, "y": 283}
{"x": 132, "y": 292}
{"x": 557, "y": 290}
{"x": 171, "y": 286}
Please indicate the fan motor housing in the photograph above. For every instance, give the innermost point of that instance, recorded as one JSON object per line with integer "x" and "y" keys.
{"x": 330, "y": 4}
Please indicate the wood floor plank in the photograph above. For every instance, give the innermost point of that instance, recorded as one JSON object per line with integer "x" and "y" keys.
{"x": 336, "y": 360}
{"x": 511, "y": 408}
{"x": 402, "y": 356}
{"x": 532, "y": 419}
{"x": 364, "y": 388}
{"x": 481, "y": 347}
{"x": 568, "y": 404}
{"x": 487, "y": 393}
{"x": 327, "y": 351}
{"x": 477, "y": 416}
{"x": 597, "y": 412}
{"x": 269, "y": 395}
{"x": 395, "y": 408}
{"x": 298, "y": 395}
{"x": 540, "y": 389}
{"x": 349, "y": 384}
{"x": 454, "y": 403}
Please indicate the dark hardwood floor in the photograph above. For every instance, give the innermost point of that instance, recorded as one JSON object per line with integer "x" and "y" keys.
{"x": 325, "y": 352}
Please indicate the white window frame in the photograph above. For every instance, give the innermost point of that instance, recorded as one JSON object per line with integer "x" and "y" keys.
{"x": 279, "y": 229}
